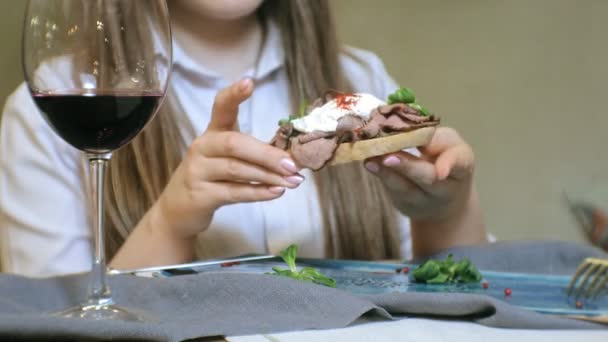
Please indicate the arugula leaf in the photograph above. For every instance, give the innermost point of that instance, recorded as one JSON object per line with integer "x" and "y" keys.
{"x": 301, "y": 113}
{"x": 429, "y": 270}
{"x": 420, "y": 108}
{"x": 447, "y": 271}
{"x": 289, "y": 256}
{"x": 402, "y": 95}
{"x": 308, "y": 274}
{"x": 318, "y": 277}
{"x": 406, "y": 95}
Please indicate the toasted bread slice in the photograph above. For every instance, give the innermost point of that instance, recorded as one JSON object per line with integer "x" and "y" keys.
{"x": 363, "y": 149}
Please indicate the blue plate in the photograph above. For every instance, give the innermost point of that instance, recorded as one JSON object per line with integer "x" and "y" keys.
{"x": 540, "y": 293}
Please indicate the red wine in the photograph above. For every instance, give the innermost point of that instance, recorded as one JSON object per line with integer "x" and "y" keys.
{"x": 98, "y": 123}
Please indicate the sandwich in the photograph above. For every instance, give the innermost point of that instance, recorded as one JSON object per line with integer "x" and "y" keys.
{"x": 346, "y": 127}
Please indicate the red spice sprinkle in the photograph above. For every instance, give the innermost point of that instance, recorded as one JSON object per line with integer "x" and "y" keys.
{"x": 406, "y": 270}
{"x": 485, "y": 285}
{"x": 346, "y": 101}
{"x": 579, "y": 304}
{"x": 508, "y": 292}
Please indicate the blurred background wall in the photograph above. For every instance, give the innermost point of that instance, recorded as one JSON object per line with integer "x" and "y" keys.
{"x": 524, "y": 81}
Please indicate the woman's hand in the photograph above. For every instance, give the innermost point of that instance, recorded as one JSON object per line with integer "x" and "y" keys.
{"x": 223, "y": 166}
{"x": 435, "y": 190}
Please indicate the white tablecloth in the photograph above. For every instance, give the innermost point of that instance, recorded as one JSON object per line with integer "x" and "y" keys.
{"x": 420, "y": 329}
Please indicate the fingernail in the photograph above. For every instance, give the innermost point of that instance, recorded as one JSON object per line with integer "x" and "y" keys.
{"x": 372, "y": 167}
{"x": 295, "y": 180}
{"x": 245, "y": 84}
{"x": 391, "y": 161}
{"x": 289, "y": 165}
{"x": 276, "y": 189}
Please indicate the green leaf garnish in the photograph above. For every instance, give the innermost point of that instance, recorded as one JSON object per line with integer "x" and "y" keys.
{"x": 301, "y": 113}
{"x": 308, "y": 274}
{"x": 402, "y": 95}
{"x": 420, "y": 108}
{"x": 447, "y": 271}
{"x": 406, "y": 95}
{"x": 289, "y": 256}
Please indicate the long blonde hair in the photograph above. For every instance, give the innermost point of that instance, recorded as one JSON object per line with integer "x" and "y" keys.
{"x": 359, "y": 219}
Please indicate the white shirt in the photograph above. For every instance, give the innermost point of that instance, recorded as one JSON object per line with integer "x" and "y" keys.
{"x": 45, "y": 225}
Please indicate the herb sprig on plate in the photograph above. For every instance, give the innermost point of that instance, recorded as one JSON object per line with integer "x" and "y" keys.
{"x": 306, "y": 273}
{"x": 447, "y": 271}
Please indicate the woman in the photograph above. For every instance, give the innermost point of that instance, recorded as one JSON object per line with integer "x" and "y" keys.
{"x": 177, "y": 193}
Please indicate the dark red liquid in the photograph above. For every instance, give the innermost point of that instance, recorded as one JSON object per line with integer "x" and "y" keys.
{"x": 97, "y": 122}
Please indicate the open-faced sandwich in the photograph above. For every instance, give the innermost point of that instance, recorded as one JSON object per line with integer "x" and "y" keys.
{"x": 344, "y": 127}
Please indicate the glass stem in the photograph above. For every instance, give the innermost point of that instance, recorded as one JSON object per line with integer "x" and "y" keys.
{"x": 99, "y": 290}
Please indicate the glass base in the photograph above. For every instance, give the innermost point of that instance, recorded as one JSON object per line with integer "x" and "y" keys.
{"x": 100, "y": 312}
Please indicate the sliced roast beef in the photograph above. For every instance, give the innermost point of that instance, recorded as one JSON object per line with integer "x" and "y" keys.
{"x": 349, "y": 123}
{"x": 313, "y": 154}
{"x": 281, "y": 138}
{"x": 373, "y": 127}
{"x": 396, "y": 108}
{"x": 314, "y": 135}
{"x": 395, "y": 123}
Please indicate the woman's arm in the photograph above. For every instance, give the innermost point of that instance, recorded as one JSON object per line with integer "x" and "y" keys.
{"x": 221, "y": 167}
{"x": 466, "y": 227}
{"x": 436, "y": 190}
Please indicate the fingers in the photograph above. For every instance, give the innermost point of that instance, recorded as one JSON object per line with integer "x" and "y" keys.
{"x": 226, "y": 105}
{"x": 457, "y": 162}
{"x": 246, "y": 148}
{"x": 443, "y": 139}
{"x": 230, "y": 193}
{"x": 408, "y": 190}
{"x": 418, "y": 171}
{"x": 229, "y": 169}
{"x": 453, "y": 156}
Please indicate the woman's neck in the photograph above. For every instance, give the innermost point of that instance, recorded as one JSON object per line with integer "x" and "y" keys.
{"x": 228, "y": 47}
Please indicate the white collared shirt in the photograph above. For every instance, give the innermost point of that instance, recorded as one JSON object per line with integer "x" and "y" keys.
{"x": 45, "y": 226}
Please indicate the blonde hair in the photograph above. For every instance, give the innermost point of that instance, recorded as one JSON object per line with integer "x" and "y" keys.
{"x": 359, "y": 218}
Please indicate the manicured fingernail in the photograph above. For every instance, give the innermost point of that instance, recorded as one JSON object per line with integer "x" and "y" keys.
{"x": 276, "y": 189}
{"x": 289, "y": 165}
{"x": 391, "y": 161}
{"x": 295, "y": 180}
{"x": 245, "y": 84}
{"x": 372, "y": 167}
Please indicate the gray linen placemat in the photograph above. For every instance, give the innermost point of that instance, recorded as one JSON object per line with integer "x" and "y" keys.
{"x": 210, "y": 304}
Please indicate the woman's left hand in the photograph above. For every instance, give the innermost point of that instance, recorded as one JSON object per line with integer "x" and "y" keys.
{"x": 434, "y": 186}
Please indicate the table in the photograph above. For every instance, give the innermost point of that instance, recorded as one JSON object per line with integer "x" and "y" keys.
{"x": 425, "y": 329}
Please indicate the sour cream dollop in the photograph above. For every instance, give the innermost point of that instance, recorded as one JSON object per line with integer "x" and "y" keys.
{"x": 325, "y": 118}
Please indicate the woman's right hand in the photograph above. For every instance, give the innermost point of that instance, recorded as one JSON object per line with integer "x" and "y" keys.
{"x": 222, "y": 166}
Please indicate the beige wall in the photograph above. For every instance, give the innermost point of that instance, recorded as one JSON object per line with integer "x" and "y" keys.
{"x": 11, "y": 15}
{"x": 523, "y": 80}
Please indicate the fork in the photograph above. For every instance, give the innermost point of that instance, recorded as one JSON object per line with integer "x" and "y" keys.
{"x": 593, "y": 269}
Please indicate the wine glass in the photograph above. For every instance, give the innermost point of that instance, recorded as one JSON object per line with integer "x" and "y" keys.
{"x": 98, "y": 71}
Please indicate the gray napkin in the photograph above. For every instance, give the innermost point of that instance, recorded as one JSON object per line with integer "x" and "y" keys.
{"x": 210, "y": 304}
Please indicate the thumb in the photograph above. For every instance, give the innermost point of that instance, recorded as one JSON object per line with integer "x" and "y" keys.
{"x": 226, "y": 105}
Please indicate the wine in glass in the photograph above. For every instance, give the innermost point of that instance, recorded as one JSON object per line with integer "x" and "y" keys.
{"x": 98, "y": 71}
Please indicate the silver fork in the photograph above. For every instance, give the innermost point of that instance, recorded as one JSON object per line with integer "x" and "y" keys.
{"x": 589, "y": 279}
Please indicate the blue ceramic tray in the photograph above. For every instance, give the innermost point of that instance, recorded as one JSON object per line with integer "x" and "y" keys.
{"x": 540, "y": 293}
